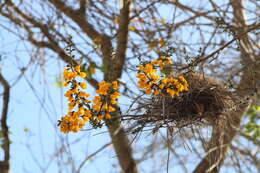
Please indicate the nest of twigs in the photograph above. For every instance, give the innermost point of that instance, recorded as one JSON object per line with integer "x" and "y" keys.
{"x": 206, "y": 101}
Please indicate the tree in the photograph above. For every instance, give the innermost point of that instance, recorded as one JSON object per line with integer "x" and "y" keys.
{"x": 115, "y": 33}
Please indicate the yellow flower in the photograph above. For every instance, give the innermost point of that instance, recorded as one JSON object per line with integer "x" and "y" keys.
{"x": 74, "y": 74}
{"x": 113, "y": 102}
{"x": 161, "y": 86}
{"x": 97, "y": 100}
{"x": 81, "y": 110}
{"x": 86, "y": 119}
{"x": 65, "y": 124}
{"x": 87, "y": 101}
{"x": 100, "y": 117}
{"x": 174, "y": 81}
{"x": 67, "y": 75}
{"x": 169, "y": 60}
{"x": 83, "y": 85}
{"x": 71, "y": 99}
{"x": 75, "y": 115}
{"x": 155, "y": 77}
{"x": 65, "y": 84}
{"x": 88, "y": 114}
{"x": 77, "y": 68}
{"x": 70, "y": 114}
{"x": 156, "y": 92}
{"x": 148, "y": 91}
{"x": 115, "y": 95}
{"x": 108, "y": 116}
{"x": 171, "y": 92}
{"x": 70, "y": 75}
{"x": 154, "y": 62}
{"x": 75, "y": 128}
{"x": 74, "y": 91}
{"x": 78, "y": 101}
{"x": 71, "y": 105}
{"x": 109, "y": 108}
{"x": 148, "y": 69}
{"x": 161, "y": 64}
{"x": 142, "y": 77}
{"x": 83, "y": 74}
{"x": 143, "y": 84}
{"x": 103, "y": 88}
{"x": 141, "y": 67}
{"x": 185, "y": 86}
{"x": 83, "y": 94}
{"x": 81, "y": 123}
{"x": 65, "y": 72}
{"x": 115, "y": 85}
{"x": 71, "y": 124}
{"x": 96, "y": 107}
{"x": 158, "y": 62}
{"x": 68, "y": 93}
{"x": 64, "y": 127}
{"x": 180, "y": 87}
{"x": 165, "y": 80}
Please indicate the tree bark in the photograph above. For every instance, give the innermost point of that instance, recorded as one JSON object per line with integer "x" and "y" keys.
{"x": 5, "y": 164}
{"x": 124, "y": 152}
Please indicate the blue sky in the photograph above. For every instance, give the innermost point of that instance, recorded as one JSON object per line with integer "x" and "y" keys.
{"x": 37, "y": 103}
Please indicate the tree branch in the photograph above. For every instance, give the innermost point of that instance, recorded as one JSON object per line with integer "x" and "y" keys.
{"x": 122, "y": 38}
{"x": 79, "y": 17}
{"x": 92, "y": 155}
{"x": 51, "y": 44}
{"x": 117, "y": 133}
{"x": 4, "y": 165}
{"x": 240, "y": 36}
{"x": 224, "y": 134}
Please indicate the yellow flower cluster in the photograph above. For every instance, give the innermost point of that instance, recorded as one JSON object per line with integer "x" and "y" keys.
{"x": 108, "y": 95}
{"x": 77, "y": 113}
{"x": 79, "y": 108}
{"x": 153, "y": 83}
{"x": 70, "y": 73}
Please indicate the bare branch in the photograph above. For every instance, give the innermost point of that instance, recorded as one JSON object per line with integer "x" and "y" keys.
{"x": 79, "y": 17}
{"x": 4, "y": 165}
{"x": 116, "y": 130}
{"x": 92, "y": 155}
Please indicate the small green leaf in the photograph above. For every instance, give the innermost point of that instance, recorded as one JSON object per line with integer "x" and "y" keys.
{"x": 1, "y": 134}
{"x": 59, "y": 81}
{"x": 26, "y": 129}
{"x": 163, "y": 21}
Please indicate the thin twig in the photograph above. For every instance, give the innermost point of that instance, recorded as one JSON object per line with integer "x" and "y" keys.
{"x": 92, "y": 155}
{"x": 199, "y": 60}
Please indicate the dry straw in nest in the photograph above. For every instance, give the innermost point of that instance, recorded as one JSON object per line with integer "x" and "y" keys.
{"x": 204, "y": 103}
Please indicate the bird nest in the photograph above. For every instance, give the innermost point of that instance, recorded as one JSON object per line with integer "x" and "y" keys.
{"x": 206, "y": 101}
